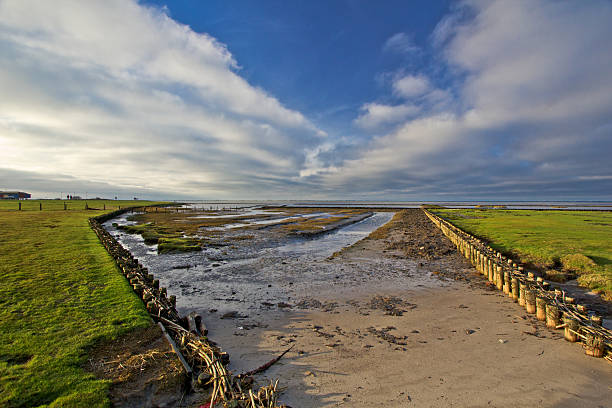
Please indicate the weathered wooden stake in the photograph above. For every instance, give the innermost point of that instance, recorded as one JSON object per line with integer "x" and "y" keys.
{"x": 530, "y": 301}
{"x": 552, "y": 316}
{"x": 507, "y": 283}
{"x": 521, "y": 298}
{"x": 571, "y": 329}
{"x": 515, "y": 289}
{"x": 541, "y": 308}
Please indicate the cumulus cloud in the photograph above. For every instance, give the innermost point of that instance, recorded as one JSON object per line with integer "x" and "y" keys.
{"x": 374, "y": 114}
{"x": 118, "y": 93}
{"x": 410, "y": 86}
{"x": 532, "y": 112}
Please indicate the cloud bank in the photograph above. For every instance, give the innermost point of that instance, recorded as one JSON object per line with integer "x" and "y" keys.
{"x": 116, "y": 97}
{"x": 117, "y": 93}
{"x": 531, "y": 115}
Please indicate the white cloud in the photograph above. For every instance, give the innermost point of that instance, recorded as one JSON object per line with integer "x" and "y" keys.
{"x": 532, "y": 110}
{"x": 400, "y": 43}
{"x": 115, "y": 91}
{"x": 411, "y": 86}
{"x": 375, "y": 115}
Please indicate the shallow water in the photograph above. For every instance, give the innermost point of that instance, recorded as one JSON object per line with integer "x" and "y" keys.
{"x": 255, "y": 275}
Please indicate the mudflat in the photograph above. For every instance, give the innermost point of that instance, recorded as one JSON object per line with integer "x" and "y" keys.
{"x": 432, "y": 336}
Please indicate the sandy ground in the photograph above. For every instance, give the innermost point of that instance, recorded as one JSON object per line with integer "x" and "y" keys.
{"x": 458, "y": 343}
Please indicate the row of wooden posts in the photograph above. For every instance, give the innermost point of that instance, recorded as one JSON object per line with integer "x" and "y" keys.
{"x": 549, "y": 304}
{"x": 197, "y": 354}
{"x": 205, "y": 364}
{"x": 40, "y": 206}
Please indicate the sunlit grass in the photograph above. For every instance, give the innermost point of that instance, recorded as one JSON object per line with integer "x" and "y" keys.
{"x": 576, "y": 241}
{"x": 60, "y": 294}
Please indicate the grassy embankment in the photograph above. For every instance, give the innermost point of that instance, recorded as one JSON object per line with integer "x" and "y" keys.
{"x": 562, "y": 243}
{"x": 60, "y": 294}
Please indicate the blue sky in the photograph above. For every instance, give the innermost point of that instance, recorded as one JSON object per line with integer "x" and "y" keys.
{"x": 318, "y": 57}
{"x": 389, "y": 100}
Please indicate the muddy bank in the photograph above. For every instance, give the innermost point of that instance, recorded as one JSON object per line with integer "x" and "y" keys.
{"x": 142, "y": 368}
{"x": 450, "y": 341}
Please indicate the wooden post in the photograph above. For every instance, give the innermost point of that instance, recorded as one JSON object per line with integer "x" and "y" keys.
{"x": 40, "y": 206}
{"x": 19, "y": 206}
{"x": 530, "y": 301}
{"x": 500, "y": 277}
{"x": 507, "y": 283}
{"x": 594, "y": 345}
{"x": 541, "y": 308}
{"x": 521, "y": 298}
{"x": 571, "y": 329}
{"x": 552, "y": 316}
{"x": 104, "y": 206}
{"x": 65, "y": 207}
{"x": 515, "y": 289}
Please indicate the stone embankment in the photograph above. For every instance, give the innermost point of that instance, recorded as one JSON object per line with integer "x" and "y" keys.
{"x": 549, "y": 303}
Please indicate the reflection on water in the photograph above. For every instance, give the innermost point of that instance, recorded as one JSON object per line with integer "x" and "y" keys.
{"x": 325, "y": 245}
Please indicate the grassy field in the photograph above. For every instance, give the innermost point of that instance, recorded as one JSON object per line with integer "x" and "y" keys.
{"x": 60, "y": 294}
{"x": 578, "y": 242}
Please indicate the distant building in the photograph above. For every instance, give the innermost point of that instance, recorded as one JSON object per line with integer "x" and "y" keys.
{"x": 14, "y": 195}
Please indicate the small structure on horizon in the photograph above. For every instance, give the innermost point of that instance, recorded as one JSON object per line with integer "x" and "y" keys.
{"x": 14, "y": 195}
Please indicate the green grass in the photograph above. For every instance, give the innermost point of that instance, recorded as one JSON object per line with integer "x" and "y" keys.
{"x": 579, "y": 242}
{"x": 60, "y": 295}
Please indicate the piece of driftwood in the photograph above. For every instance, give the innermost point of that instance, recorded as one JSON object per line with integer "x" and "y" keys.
{"x": 176, "y": 350}
{"x": 264, "y": 367}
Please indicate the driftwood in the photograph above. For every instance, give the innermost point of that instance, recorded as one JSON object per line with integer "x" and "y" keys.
{"x": 264, "y": 367}
{"x": 193, "y": 327}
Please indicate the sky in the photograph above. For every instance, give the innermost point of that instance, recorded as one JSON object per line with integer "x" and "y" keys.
{"x": 336, "y": 99}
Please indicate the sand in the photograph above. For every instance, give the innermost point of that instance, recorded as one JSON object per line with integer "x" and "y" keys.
{"x": 457, "y": 343}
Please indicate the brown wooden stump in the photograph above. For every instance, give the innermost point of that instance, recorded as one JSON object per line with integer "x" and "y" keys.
{"x": 515, "y": 289}
{"x": 499, "y": 275}
{"x": 541, "y": 308}
{"x": 552, "y": 316}
{"x": 530, "y": 301}
{"x": 521, "y": 298}
{"x": 594, "y": 346}
{"x": 571, "y": 329}
{"x": 507, "y": 283}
